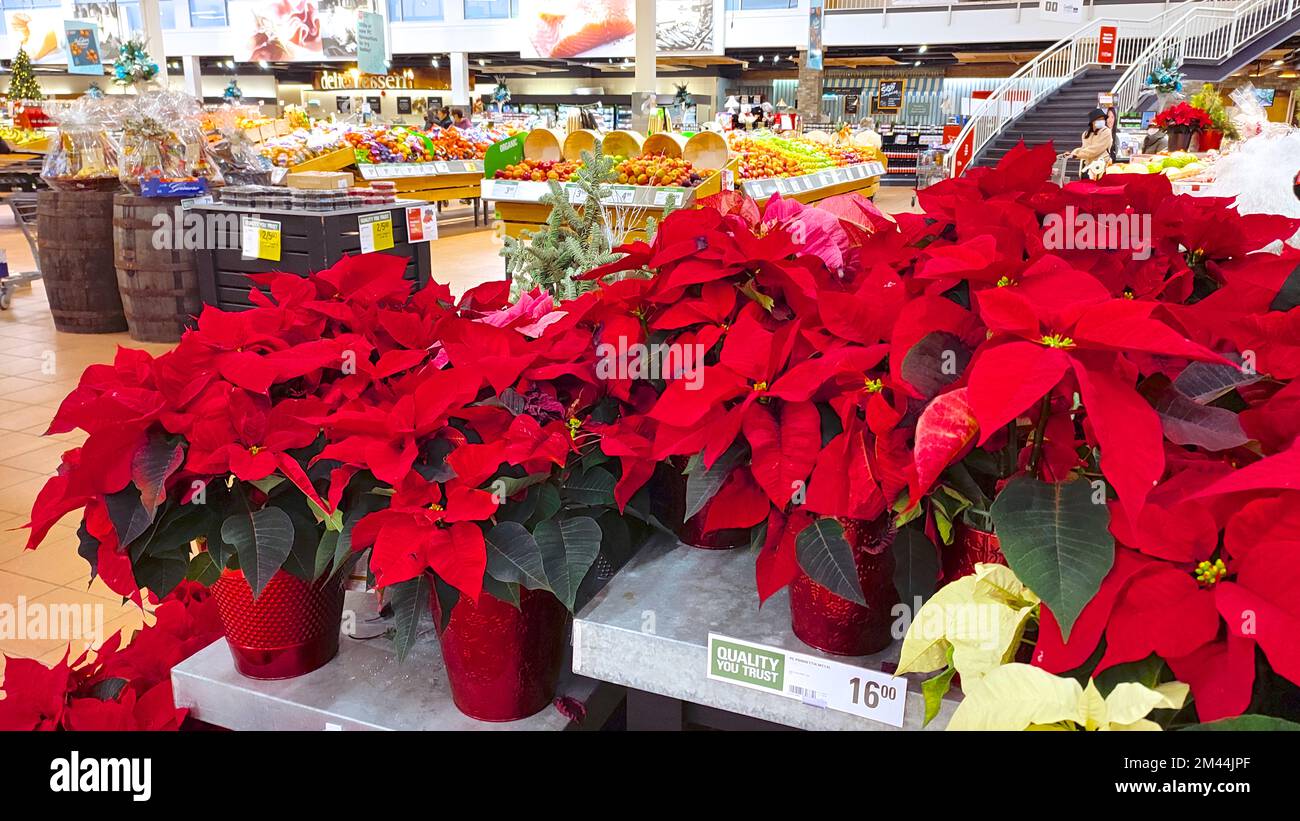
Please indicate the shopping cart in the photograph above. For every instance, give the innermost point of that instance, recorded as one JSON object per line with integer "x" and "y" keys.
{"x": 931, "y": 167}
{"x": 1067, "y": 169}
{"x": 23, "y": 207}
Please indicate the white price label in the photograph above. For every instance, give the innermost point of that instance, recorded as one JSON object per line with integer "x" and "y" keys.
{"x": 576, "y": 194}
{"x": 663, "y": 195}
{"x": 190, "y": 202}
{"x": 621, "y": 195}
{"x": 815, "y": 681}
{"x": 503, "y": 189}
{"x": 441, "y": 167}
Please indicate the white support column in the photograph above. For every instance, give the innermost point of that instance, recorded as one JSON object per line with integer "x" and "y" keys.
{"x": 193, "y": 75}
{"x": 460, "y": 90}
{"x": 151, "y": 20}
{"x": 645, "y": 74}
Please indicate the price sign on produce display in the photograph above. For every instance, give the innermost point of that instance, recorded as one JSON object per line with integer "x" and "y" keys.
{"x": 663, "y": 195}
{"x": 260, "y": 239}
{"x": 815, "y": 681}
{"x": 376, "y": 231}
{"x": 421, "y": 223}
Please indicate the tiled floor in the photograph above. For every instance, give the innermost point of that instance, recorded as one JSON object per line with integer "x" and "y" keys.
{"x": 38, "y": 366}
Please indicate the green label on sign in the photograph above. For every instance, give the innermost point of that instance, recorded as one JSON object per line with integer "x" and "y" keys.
{"x": 745, "y": 664}
{"x": 509, "y": 151}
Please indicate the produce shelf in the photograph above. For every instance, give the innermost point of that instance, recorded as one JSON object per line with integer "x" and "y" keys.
{"x": 862, "y": 178}
{"x": 335, "y": 160}
{"x": 648, "y": 630}
{"x": 363, "y": 688}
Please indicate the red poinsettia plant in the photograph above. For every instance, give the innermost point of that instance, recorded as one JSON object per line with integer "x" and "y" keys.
{"x": 217, "y": 440}
{"x": 1183, "y": 117}
{"x": 1124, "y": 423}
{"x": 121, "y": 687}
{"x": 775, "y": 391}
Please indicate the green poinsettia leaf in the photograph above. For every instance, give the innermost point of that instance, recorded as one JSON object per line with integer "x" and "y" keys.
{"x": 1057, "y": 541}
{"x": 568, "y": 548}
{"x": 825, "y": 555}
{"x": 263, "y": 540}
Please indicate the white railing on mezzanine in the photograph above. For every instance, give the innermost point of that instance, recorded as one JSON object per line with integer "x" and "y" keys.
{"x": 1056, "y": 66}
{"x": 1202, "y": 31}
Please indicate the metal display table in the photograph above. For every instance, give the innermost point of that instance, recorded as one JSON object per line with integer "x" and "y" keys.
{"x": 363, "y": 688}
{"x": 648, "y": 630}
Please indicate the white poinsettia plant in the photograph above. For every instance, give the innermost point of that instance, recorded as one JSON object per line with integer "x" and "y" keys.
{"x": 974, "y": 627}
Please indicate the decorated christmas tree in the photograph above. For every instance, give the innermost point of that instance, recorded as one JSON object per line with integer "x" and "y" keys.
{"x": 23, "y": 85}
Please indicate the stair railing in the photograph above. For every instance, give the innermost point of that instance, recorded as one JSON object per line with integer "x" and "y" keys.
{"x": 1201, "y": 31}
{"x": 1056, "y": 66}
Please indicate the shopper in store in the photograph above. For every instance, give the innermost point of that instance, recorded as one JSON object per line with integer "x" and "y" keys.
{"x": 442, "y": 117}
{"x": 1097, "y": 140}
{"x": 459, "y": 119}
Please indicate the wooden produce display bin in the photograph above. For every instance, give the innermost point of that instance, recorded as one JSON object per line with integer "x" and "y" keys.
{"x": 861, "y": 178}
{"x": 309, "y": 241}
{"x": 336, "y": 160}
{"x": 519, "y": 209}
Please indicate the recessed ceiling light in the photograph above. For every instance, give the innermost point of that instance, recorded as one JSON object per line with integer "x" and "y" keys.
{"x": 761, "y": 58}
{"x": 435, "y": 62}
{"x": 482, "y": 62}
{"x": 917, "y": 63}
{"x": 922, "y": 49}
{"x": 261, "y": 64}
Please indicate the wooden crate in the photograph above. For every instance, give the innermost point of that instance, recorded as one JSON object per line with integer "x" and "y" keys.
{"x": 440, "y": 187}
{"x": 517, "y": 217}
{"x": 310, "y": 241}
{"x": 333, "y": 161}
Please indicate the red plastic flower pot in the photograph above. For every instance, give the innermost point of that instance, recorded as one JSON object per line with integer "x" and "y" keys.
{"x": 669, "y": 489}
{"x": 836, "y": 625}
{"x": 970, "y": 546}
{"x": 503, "y": 664}
{"x": 291, "y": 629}
{"x": 1211, "y": 141}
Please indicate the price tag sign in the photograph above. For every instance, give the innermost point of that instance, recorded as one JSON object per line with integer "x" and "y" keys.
{"x": 441, "y": 167}
{"x": 421, "y": 223}
{"x": 505, "y": 189}
{"x": 663, "y": 195}
{"x": 260, "y": 239}
{"x": 376, "y": 231}
{"x": 818, "y": 682}
{"x": 190, "y": 202}
{"x": 575, "y": 193}
{"x": 728, "y": 180}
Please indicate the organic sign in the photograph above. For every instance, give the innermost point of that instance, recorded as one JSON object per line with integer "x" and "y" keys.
{"x": 500, "y": 154}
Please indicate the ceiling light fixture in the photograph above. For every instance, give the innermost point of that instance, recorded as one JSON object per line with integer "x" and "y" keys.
{"x": 761, "y": 58}
{"x": 922, "y": 49}
{"x": 261, "y": 64}
{"x": 482, "y": 62}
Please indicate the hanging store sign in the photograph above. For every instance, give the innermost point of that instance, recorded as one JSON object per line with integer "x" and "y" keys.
{"x": 816, "y": 22}
{"x": 406, "y": 80}
{"x": 84, "y": 53}
{"x": 1065, "y": 11}
{"x": 371, "y": 56}
{"x": 1107, "y": 37}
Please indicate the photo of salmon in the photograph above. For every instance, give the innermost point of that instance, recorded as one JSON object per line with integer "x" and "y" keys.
{"x": 577, "y": 28}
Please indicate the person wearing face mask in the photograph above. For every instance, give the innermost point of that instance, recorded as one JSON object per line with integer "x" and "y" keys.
{"x": 1097, "y": 139}
{"x": 1155, "y": 141}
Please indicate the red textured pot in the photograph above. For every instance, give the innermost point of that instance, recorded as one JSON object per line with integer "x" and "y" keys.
{"x": 1180, "y": 140}
{"x": 1211, "y": 141}
{"x": 503, "y": 664}
{"x": 836, "y": 625}
{"x": 291, "y": 629}
{"x": 970, "y": 547}
{"x": 669, "y": 488}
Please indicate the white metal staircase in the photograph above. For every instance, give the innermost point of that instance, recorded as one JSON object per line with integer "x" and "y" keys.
{"x": 1205, "y": 30}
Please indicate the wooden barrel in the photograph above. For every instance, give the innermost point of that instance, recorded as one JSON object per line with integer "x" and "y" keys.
{"x": 156, "y": 275}
{"x": 74, "y": 232}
